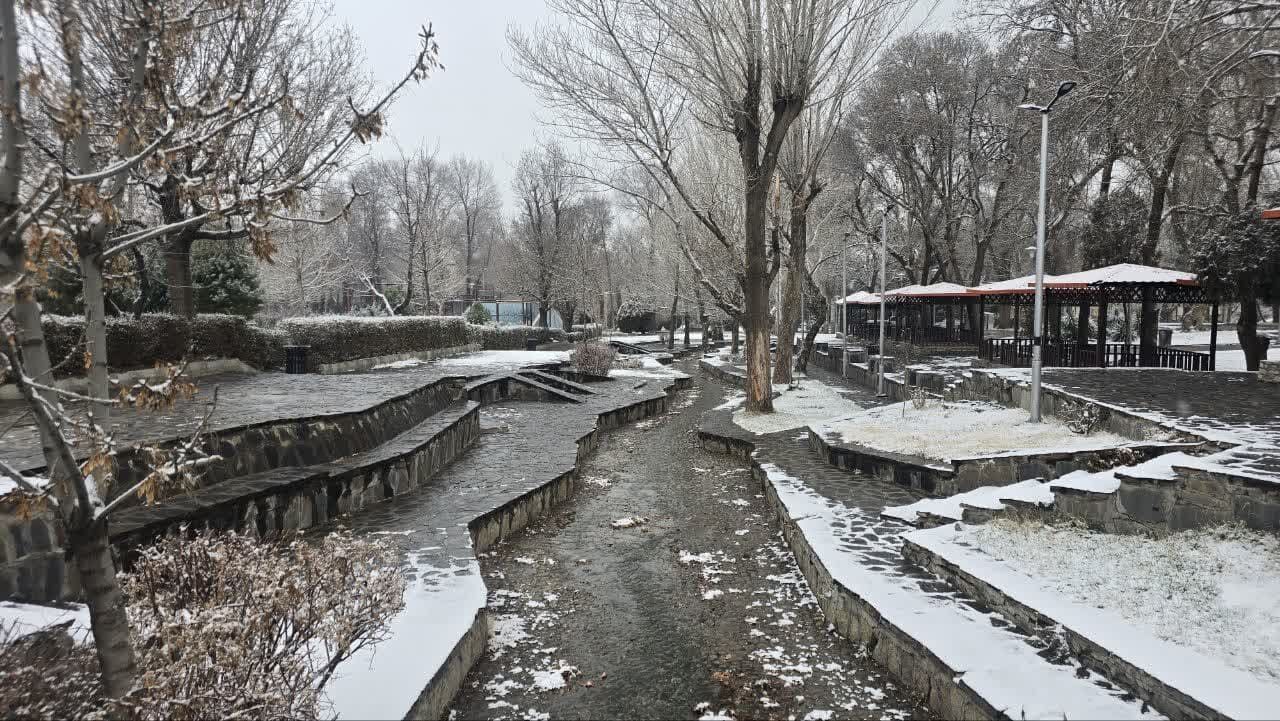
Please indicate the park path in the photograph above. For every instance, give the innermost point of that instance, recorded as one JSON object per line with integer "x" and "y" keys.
{"x": 699, "y": 610}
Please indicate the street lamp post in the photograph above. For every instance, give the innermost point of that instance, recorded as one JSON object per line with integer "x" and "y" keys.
{"x": 844, "y": 307}
{"x": 1038, "y": 322}
{"x": 884, "y": 266}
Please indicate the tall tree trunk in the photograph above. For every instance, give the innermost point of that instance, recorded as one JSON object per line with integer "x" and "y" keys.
{"x": 1247, "y": 329}
{"x": 792, "y": 291}
{"x": 675, "y": 303}
{"x": 1159, "y": 195}
{"x": 95, "y": 334}
{"x": 733, "y": 335}
{"x": 111, "y": 637}
{"x": 177, "y": 273}
{"x": 702, "y": 315}
{"x": 756, "y": 298}
{"x": 818, "y": 308}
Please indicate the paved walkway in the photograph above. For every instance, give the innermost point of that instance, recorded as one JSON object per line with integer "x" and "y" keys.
{"x": 1221, "y": 402}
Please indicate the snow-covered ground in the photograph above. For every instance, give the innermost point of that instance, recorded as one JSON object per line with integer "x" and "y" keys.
{"x": 20, "y": 619}
{"x": 503, "y": 359}
{"x": 1233, "y": 360}
{"x": 695, "y": 336}
{"x": 945, "y": 431}
{"x": 1211, "y": 591}
{"x": 641, "y": 366}
{"x": 810, "y": 401}
{"x": 990, "y": 497}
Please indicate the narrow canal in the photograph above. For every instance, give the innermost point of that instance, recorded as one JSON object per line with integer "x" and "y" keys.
{"x": 663, "y": 589}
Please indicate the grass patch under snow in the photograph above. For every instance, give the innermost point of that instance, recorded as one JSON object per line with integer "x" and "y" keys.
{"x": 1213, "y": 590}
{"x": 943, "y": 431}
{"x": 809, "y": 401}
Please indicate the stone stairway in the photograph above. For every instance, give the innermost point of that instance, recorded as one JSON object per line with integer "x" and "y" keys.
{"x": 967, "y": 660}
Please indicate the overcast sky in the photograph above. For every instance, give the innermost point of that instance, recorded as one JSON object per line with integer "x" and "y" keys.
{"x": 474, "y": 106}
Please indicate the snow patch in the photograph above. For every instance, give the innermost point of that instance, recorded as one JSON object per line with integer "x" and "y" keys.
{"x": 809, "y": 401}
{"x": 946, "y": 431}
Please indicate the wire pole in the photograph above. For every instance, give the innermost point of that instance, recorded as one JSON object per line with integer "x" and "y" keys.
{"x": 844, "y": 307}
{"x": 884, "y": 266}
{"x": 1036, "y": 340}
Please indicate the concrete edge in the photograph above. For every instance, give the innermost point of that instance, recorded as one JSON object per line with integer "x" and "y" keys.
{"x": 362, "y": 364}
{"x": 910, "y": 662}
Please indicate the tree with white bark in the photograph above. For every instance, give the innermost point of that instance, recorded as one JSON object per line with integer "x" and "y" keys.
{"x": 103, "y": 104}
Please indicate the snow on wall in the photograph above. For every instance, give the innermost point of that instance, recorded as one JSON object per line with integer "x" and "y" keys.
{"x": 384, "y": 680}
{"x": 1196, "y": 610}
{"x": 991, "y": 497}
{"x": 996, "y": 663}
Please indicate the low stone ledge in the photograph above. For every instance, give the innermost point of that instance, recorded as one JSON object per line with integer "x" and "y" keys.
{"x": 1230, "y": 693}
{"x": 724, "y": 373}
{"x": 363, "y": 364}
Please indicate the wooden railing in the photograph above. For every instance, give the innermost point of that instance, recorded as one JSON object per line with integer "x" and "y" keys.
{"x": 1016, "y": 352}
{"x": 919, "y": 335}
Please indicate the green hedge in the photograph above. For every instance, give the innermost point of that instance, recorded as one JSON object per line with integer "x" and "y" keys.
{"x": 338, "y": 338}
{"x": 163, "y": 338}
{"x": 511, "y": 337}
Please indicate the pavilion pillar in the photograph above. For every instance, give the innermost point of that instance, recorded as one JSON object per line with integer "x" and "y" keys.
{"x": 1148, "y": 329}
{"x": 1213, "y": 336}
{"x": 951, "y": 321}
{"x": 982, "y": 321}
{"x": 1017, "y": 320}
{"x": 1102, "y": 333}
{"x": 1082, "y": 328}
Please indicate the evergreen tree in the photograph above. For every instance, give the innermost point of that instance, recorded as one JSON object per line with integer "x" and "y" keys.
{"x": 479, "y": 315}
{"x": 1241, "y": 260}
{"x": 1117, "y": 223}
{"x": 226, "y": 282}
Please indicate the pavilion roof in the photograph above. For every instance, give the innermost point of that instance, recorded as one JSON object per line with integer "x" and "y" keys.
{"x": 1025, "y": 284}
{"x": 1123, "y": 274}
{"x": 862, "y": 297}
{"x": 933, "y": 290}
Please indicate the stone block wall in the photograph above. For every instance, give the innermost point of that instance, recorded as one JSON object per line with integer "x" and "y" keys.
{"x": 305, "y": 441}
{"x": 294, "y": 499}
{"x": 32, "y": 561}
{"x": 1195, "y": 499}
{"x": 1269, "y": 371}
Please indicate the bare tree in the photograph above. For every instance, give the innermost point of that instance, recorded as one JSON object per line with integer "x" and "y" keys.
{"x": 636, "y": 77}
{"x": 547, "y": 191}
{"x": 477, "y": 205}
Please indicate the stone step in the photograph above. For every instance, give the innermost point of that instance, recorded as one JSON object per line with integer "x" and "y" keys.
{"x": 296, "y": 497}
{"x": 556, "y": 381}
{"x": 547, "y": 391}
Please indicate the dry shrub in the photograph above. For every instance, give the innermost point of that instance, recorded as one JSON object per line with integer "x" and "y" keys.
{"x": 593, "y": 358}
{"x": 224, "y": 626}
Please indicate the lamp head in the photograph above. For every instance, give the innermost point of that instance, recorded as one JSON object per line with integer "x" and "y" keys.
{"x": 1065, "y": 87}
